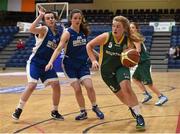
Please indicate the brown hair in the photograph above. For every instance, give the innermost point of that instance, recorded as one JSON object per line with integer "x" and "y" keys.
{"x": 126, "y": 24}
{"x": 49, "y": 12}
{"x": 138, "y": 34}
{"x": 84, "y": 27}
{"x": 55, "y": 16}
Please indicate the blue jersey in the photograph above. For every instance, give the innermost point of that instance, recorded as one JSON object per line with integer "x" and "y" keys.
{"x": 40, "y": 57}
{"x": 76, "y": 47}
{"x": 75, "y": 63}
{"x": 45, "y": 47}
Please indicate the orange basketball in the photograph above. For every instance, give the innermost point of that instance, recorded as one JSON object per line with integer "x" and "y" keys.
{"x": 130, "y": 57}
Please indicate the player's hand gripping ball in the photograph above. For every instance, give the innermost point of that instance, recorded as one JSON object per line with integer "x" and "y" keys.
{"x": 130, "y": 57}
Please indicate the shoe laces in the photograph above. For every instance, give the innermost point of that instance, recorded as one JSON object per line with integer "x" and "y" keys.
{"x": 56, "y": 113}
{"x": 96, "y": 109}
{"x": 140, "y": 120}
{"x": 82, "y": 114}
{"x": 18, "y": 111}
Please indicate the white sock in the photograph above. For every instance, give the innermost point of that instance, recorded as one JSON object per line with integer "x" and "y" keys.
{"x": 82, "y": 108}
{"x": 21, "y": 104}
{"x": 94, "y": 104}
{"x": 55, "y": 107}
{"x": 136, "y": 109}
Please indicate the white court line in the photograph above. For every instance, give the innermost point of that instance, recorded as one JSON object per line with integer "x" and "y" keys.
{"x": 60, "y": 74}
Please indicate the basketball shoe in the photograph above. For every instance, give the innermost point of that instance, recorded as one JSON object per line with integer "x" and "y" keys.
{"x": 82, "y": 115}
{"x": 56, "y": 115}
{"x": 17, "y": 114}
{"x": 162, "y": 99}
{"x": 99, "y": 114}
{"x": 147, "y": 97}
{"x": 140, "y": 122}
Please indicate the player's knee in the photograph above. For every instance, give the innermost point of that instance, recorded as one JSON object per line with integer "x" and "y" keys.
{"x": 89, "y": 87}
{"x": 31, "y": 86}
{"x": 78, "y": 90}
{"x": 126, "y": 87}
{"x": 55, "y": 84}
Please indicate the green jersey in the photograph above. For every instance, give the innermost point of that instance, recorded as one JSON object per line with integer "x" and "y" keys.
{"x": 110, "y": 53}
{"x": 144, "y": 53}
{"x": 112, "y": 71}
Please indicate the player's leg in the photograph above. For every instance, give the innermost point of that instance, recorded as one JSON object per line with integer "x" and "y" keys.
{"x": 33, "y": 76}
{"x": 50, "y": 78}
{"x": 138, "y": 76}
{"x": 84, "y": 75}
{"x": 123, "y": 77}
{"x": 87, "y": 82}
{"x": 147, "y": 80}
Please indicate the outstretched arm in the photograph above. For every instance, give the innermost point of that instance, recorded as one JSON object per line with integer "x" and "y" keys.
{"x": 33, "y": 28}
{"x": 64, "y": 39}
{"x": 99, "y": 40}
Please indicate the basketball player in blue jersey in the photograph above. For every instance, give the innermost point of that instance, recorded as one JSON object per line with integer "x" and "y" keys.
{"x": 46, "y": 42}
{"x": 75, "y": 66}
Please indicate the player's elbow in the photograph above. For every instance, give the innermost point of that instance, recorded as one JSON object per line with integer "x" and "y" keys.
{"x": 88, "y": 47}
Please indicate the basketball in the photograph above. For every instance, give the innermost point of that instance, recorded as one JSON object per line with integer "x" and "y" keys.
{"x": 130, "y": 57}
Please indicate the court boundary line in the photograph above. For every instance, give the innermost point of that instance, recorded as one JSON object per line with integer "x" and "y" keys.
{"x": 21, "y": 129}
{"x": 85, "y": 131}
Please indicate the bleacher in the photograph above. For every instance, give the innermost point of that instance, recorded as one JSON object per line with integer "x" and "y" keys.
{"x": 100, "y": 21}
{"x": 175, "y": 41}
{"x": 20, "y": 57}
{"x": 147, "y": 32}
{"x": 6, "y": 35}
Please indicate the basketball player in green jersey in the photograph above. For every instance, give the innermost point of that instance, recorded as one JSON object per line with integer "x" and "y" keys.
{"x": 142, "y": 74}
{"x": 116, "y": 76}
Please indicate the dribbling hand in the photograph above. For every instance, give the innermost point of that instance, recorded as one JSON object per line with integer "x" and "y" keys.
{"x": 95, "y": 65}
{"x": 49, "y": 66}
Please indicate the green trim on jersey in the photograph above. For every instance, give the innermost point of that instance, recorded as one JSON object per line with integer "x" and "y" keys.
{"x": 112, "y": 71}
{"x": 144, "y": 53}
{"x": 111, "y": 52}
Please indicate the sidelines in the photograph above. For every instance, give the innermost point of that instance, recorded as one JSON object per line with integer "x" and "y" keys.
{"x": 21, "y": 88}
{"x": 60, "y": 74}
{"x": 18, "y": 89}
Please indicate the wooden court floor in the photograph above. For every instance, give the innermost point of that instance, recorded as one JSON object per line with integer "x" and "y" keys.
{"x": 36, "y": 115}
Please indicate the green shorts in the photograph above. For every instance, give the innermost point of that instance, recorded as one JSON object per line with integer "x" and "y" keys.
{"x": 112, "y": 79}
{"x": 143, "y": 73}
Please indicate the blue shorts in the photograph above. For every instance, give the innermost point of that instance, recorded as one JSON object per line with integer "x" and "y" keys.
{"x": 36, "y": 72}
{"x": 74, "y": 70}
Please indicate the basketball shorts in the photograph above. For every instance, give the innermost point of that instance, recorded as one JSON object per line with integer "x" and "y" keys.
{"x": 143, "y": 73}
{"x": 36, "y": 72}
{"x": 75, "y": 71}
{"x": 113, "y": 79}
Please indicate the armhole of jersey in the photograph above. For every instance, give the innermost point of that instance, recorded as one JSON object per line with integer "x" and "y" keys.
{"x": 100, "y": 54}
{"x": 39, "y": 40}
{"x": 106, "y": 39}
{"x": 65, "y": 48}
{"x": 144, "y": 46}
{"x": 129, "y": 45}
{"x": 45, "y": 33}
{"x": 101, "y": 50}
